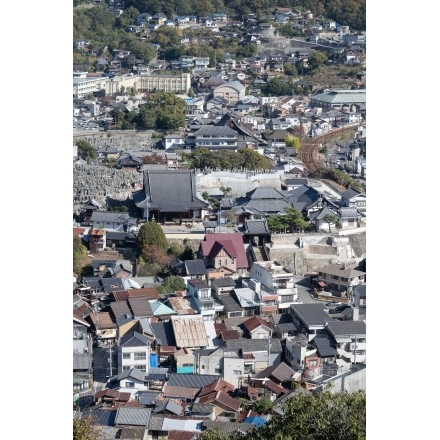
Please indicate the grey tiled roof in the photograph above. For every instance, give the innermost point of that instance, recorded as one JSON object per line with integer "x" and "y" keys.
{"x": 195, "y": 267}
{"x": 311, "y": 314}
{"x": 171, "y": 191}
{"x": 257, "y": 227}
{"x": 348, "y": 212}
{"x": 100, "y": 417}
{"x": 148, "y": 397}
{"x": 248, "y": 345}
{"x": 322, "y": 343}
{"x": 230, "y": 302}
{"x": 350, "y": 193}
{"x": 265, "y": 193}
{"x": 342, "y": 328}
{"x": 321, "y": 213}
{"x": 155, "y": 422}
{"x": 134, "y": 339}
{"x": 133, "y": 416}
{"x": 223, "y": 282}
{"x": 192, "y": 380}
{"x": 164, "y": 333}
{"x": 104, "y": 216}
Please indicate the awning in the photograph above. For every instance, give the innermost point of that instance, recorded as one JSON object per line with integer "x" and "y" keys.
{"x": 321, "y": 284}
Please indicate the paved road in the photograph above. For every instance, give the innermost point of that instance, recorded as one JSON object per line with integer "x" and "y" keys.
{"x": 101, "y": 364}
{"x": 305, "y": 291}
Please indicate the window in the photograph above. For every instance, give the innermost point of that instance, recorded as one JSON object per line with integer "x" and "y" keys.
{"x": 129, "y": 384}
{"x": 126, "y": 355}
{"x": 218, "y": 371}
{"x": 313, "y": 363}
{"x": 140, "y": 356}
{"x": 286, "y": 298}
{"x": 238, "y": 372}
{"x": 126, "y": 367}
{"x": 219, "y": 263}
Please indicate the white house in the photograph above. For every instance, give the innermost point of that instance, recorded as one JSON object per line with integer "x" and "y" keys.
{"x": 276, "y": 279}
{"x": 134, "y": 352}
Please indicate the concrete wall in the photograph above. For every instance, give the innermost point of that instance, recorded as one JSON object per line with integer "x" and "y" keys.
{"x": 350, "y": 382}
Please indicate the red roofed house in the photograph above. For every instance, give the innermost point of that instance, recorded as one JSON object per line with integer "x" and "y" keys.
{"x": 224, "y": 250}
{"x": 257, "y": 328}
{"x": 224, "y": 404}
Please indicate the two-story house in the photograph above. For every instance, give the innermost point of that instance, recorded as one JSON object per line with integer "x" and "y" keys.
{"x": 226, "y": 250}
{"x": 339, "y": 279}
{"x": 134, "y": 352}
{"x": 216, "y": 138}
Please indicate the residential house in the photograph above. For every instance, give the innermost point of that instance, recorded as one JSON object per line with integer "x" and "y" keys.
{"x": 131, "y": 378}
{"x": 184, "y": 361}
{"x": 104, "y": 327}
{"x": 189, "y": 331}
{"x": 276, "y": 279}
{"x": 110, "y": 398}
{"x": 201, "y": 292}
{"x": 195, "y": 269}
{"x": 350, "y": 341}
{"x": 134, "y": 352}
{"x": 216, "y": 138}
{"x": 132, "y": 417}
{"x": 353, "y": 198}
{"x": 257, "y": 328}
{"x": 283, "y": 326}
{"x": 281, "y": 374}
{"x": 225, "y": 406}
{"x": 170, "y": 196}
{"x": 257, "y": 353}
{"x": 248, "y": 300}
{"x": 310, "y": 319}
{"x": 339, "y": 279}
{"x": 173, "y": 141}
{"x": 163, "y": 345}
{"x": 224, "y": 250}
{"x": 113, "y": 221}
{"x": 222, "y": 286}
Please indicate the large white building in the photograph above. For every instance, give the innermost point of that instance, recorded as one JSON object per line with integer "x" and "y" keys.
{"x": 84, "y": 86}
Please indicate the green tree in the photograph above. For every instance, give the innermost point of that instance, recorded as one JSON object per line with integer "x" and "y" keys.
{"x": 263, "y": 405}
{"x": 79, "y": 253}
{"x": 225, "y": 189}
{"x": 85, "y": 149}
{"x": 324, "y": 415}
{"x": 316, "y": 59}
{"x": 172, "y": 284}
{"x": 84, "y": 430}
{"x": 332, "y": 219}
{"x": 151, "y": 233}
{"x": 293, "y": 142}
{"x": 290, "y": 69}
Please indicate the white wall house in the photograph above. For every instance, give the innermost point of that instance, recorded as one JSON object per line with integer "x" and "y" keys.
{"x": 134, "y": 352}
{"x": 277, "y": 279}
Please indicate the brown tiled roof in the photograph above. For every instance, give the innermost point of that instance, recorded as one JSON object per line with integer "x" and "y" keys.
{"x": 219, "y": 326}
{"x": 221, "y": 399}
{"x": 229, "y": 334}
{"x": 121, "y": 295}
{"x": 102, "y": 320}
{"x": 181, "y": 435}
{"x": 218, "y": 385}
{"x": 184, "y": 392}
{"x": 254, "y": 322}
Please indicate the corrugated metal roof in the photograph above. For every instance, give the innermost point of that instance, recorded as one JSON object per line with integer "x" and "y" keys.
{"x": 133, "y": 416}
{"x": 189, "y": 331}
{"x": 192, "y": 380}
